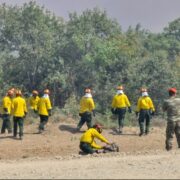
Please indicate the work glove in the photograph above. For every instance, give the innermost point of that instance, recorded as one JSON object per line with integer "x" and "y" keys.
{"x": 35, "y": 111}
{"x": 5, "y": 110}
{"x": 137, "y": 113}
{"x": 94, "y": 114}
{"x": 129, "y": 110}
{"x": 49, "y": 112}
{"x": 152, "y": 113}
{"x": 113, "y": 111}
{"x": 25, "y": 113}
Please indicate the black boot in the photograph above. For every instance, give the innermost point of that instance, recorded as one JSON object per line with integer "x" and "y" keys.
{"x": 141, "y": 133}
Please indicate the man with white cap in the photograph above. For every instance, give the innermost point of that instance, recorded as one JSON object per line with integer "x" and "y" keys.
{"x": 145, "y": 109}
{"x": 119, "y": 105}
{"x": 86, "y": 109}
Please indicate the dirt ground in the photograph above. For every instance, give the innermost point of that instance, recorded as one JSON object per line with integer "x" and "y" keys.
{"x": 55, "y": 154}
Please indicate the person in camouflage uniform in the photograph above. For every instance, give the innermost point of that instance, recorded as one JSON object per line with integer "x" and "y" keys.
{"x": 172, "y": 107}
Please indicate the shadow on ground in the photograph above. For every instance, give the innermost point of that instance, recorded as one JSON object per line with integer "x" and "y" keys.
{"x": 115, "y": 132}
{"x": 70, "y": 129}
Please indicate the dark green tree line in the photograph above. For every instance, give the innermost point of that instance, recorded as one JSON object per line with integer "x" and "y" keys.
{"x": 39, "y": 50}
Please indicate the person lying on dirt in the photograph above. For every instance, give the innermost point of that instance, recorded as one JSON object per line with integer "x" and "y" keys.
{"x": 87, "y": 142}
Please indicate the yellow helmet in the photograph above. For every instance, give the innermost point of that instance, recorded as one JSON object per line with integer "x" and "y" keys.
{"x": 143, "y": 90}
{"x": 18, "y": 93}
{"x": 10, "y": 92}
{"x": 87, "y": 90}
{"x": 119, "y": 88}
{"x": 46, "y": 91}
{"x": 35, "y": 92}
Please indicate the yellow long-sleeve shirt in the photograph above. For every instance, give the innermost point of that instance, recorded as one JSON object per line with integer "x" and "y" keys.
{"x": 145, "y": 103}
{"x": 120, "y": 101}
{"x": 33, "y": 102}
{"x": 89, "y": 135}
{"x": 7, "y": 103}
{"x": 19, "y": 107}
{"x": 86, "y": 104}
{"x": 44, "y": 105}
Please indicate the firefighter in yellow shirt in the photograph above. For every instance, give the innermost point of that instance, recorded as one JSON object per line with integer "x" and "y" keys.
{"x": 33, "y": 100}
{"x": 7, "y": 105}
{"x": 145, "y": 109}
{"x": 19, "y": 109}
{"x": 86, "y": 109}
{"x": 44, "y": 109}
{"x": 119, "y": 105}
{"x": 87, "y": 142}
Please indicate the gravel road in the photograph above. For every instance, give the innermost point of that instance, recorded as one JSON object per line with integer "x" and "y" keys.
{"x": 156, "y": 165}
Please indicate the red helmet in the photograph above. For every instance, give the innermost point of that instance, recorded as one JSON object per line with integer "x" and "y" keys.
{"x": 98, "y": 127}
{"x": 173, "y": 90}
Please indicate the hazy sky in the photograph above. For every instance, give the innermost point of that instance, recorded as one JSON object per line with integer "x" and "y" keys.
{"x": 153, "y": 15}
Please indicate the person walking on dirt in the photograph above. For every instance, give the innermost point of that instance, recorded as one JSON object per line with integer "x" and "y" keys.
{"x": 172, "y": 107}
{"x": 7, "y": 106}
{"x": 19, "y": 113}
{"x": 44, "y": 109}
{"x": 119, "y": 105}
{"x": 87, "y": 142}
{"x": 87, "y": 107}
{"x": 145, "y": 109}
{"x": 33, "y": 100}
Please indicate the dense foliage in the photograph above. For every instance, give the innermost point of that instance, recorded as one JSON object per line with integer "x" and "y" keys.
{"x": 39, "y": 50}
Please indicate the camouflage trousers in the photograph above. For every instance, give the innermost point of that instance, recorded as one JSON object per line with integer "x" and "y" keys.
{"x": 172, "y": 127}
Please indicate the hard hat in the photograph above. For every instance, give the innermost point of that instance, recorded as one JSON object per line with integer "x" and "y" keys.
{"x": 35, "y": 92}
{"x": 119, "y": 88}
{"x": 18, "y": 93}
{"x": 46, "y": 91}
{"x": 173, "y": 90}
{"x": 87, "y": 90}
{"x": 10, "y": 92}
{"x": 12, "y": 89}
{"x": 98, "y": 127}
{"x": 143, "y": 90}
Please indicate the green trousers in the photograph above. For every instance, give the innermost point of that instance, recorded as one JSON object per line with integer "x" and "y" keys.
{"x": 18, "y": 122}
{"x": 121, "y": 116}
{"x": 85, "y": 117}
{"x": 144, "y": 117}
{"x": 43, "y": 121}
{"x": 86, "y": 147}
{"x": 6, "y": 124}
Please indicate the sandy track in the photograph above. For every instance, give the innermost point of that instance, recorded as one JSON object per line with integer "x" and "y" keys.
{"x": 54, "y": 154}
{"x": 161, "y": 165}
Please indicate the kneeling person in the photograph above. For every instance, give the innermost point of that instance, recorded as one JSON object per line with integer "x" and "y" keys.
{"x": 87, "y": 142}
